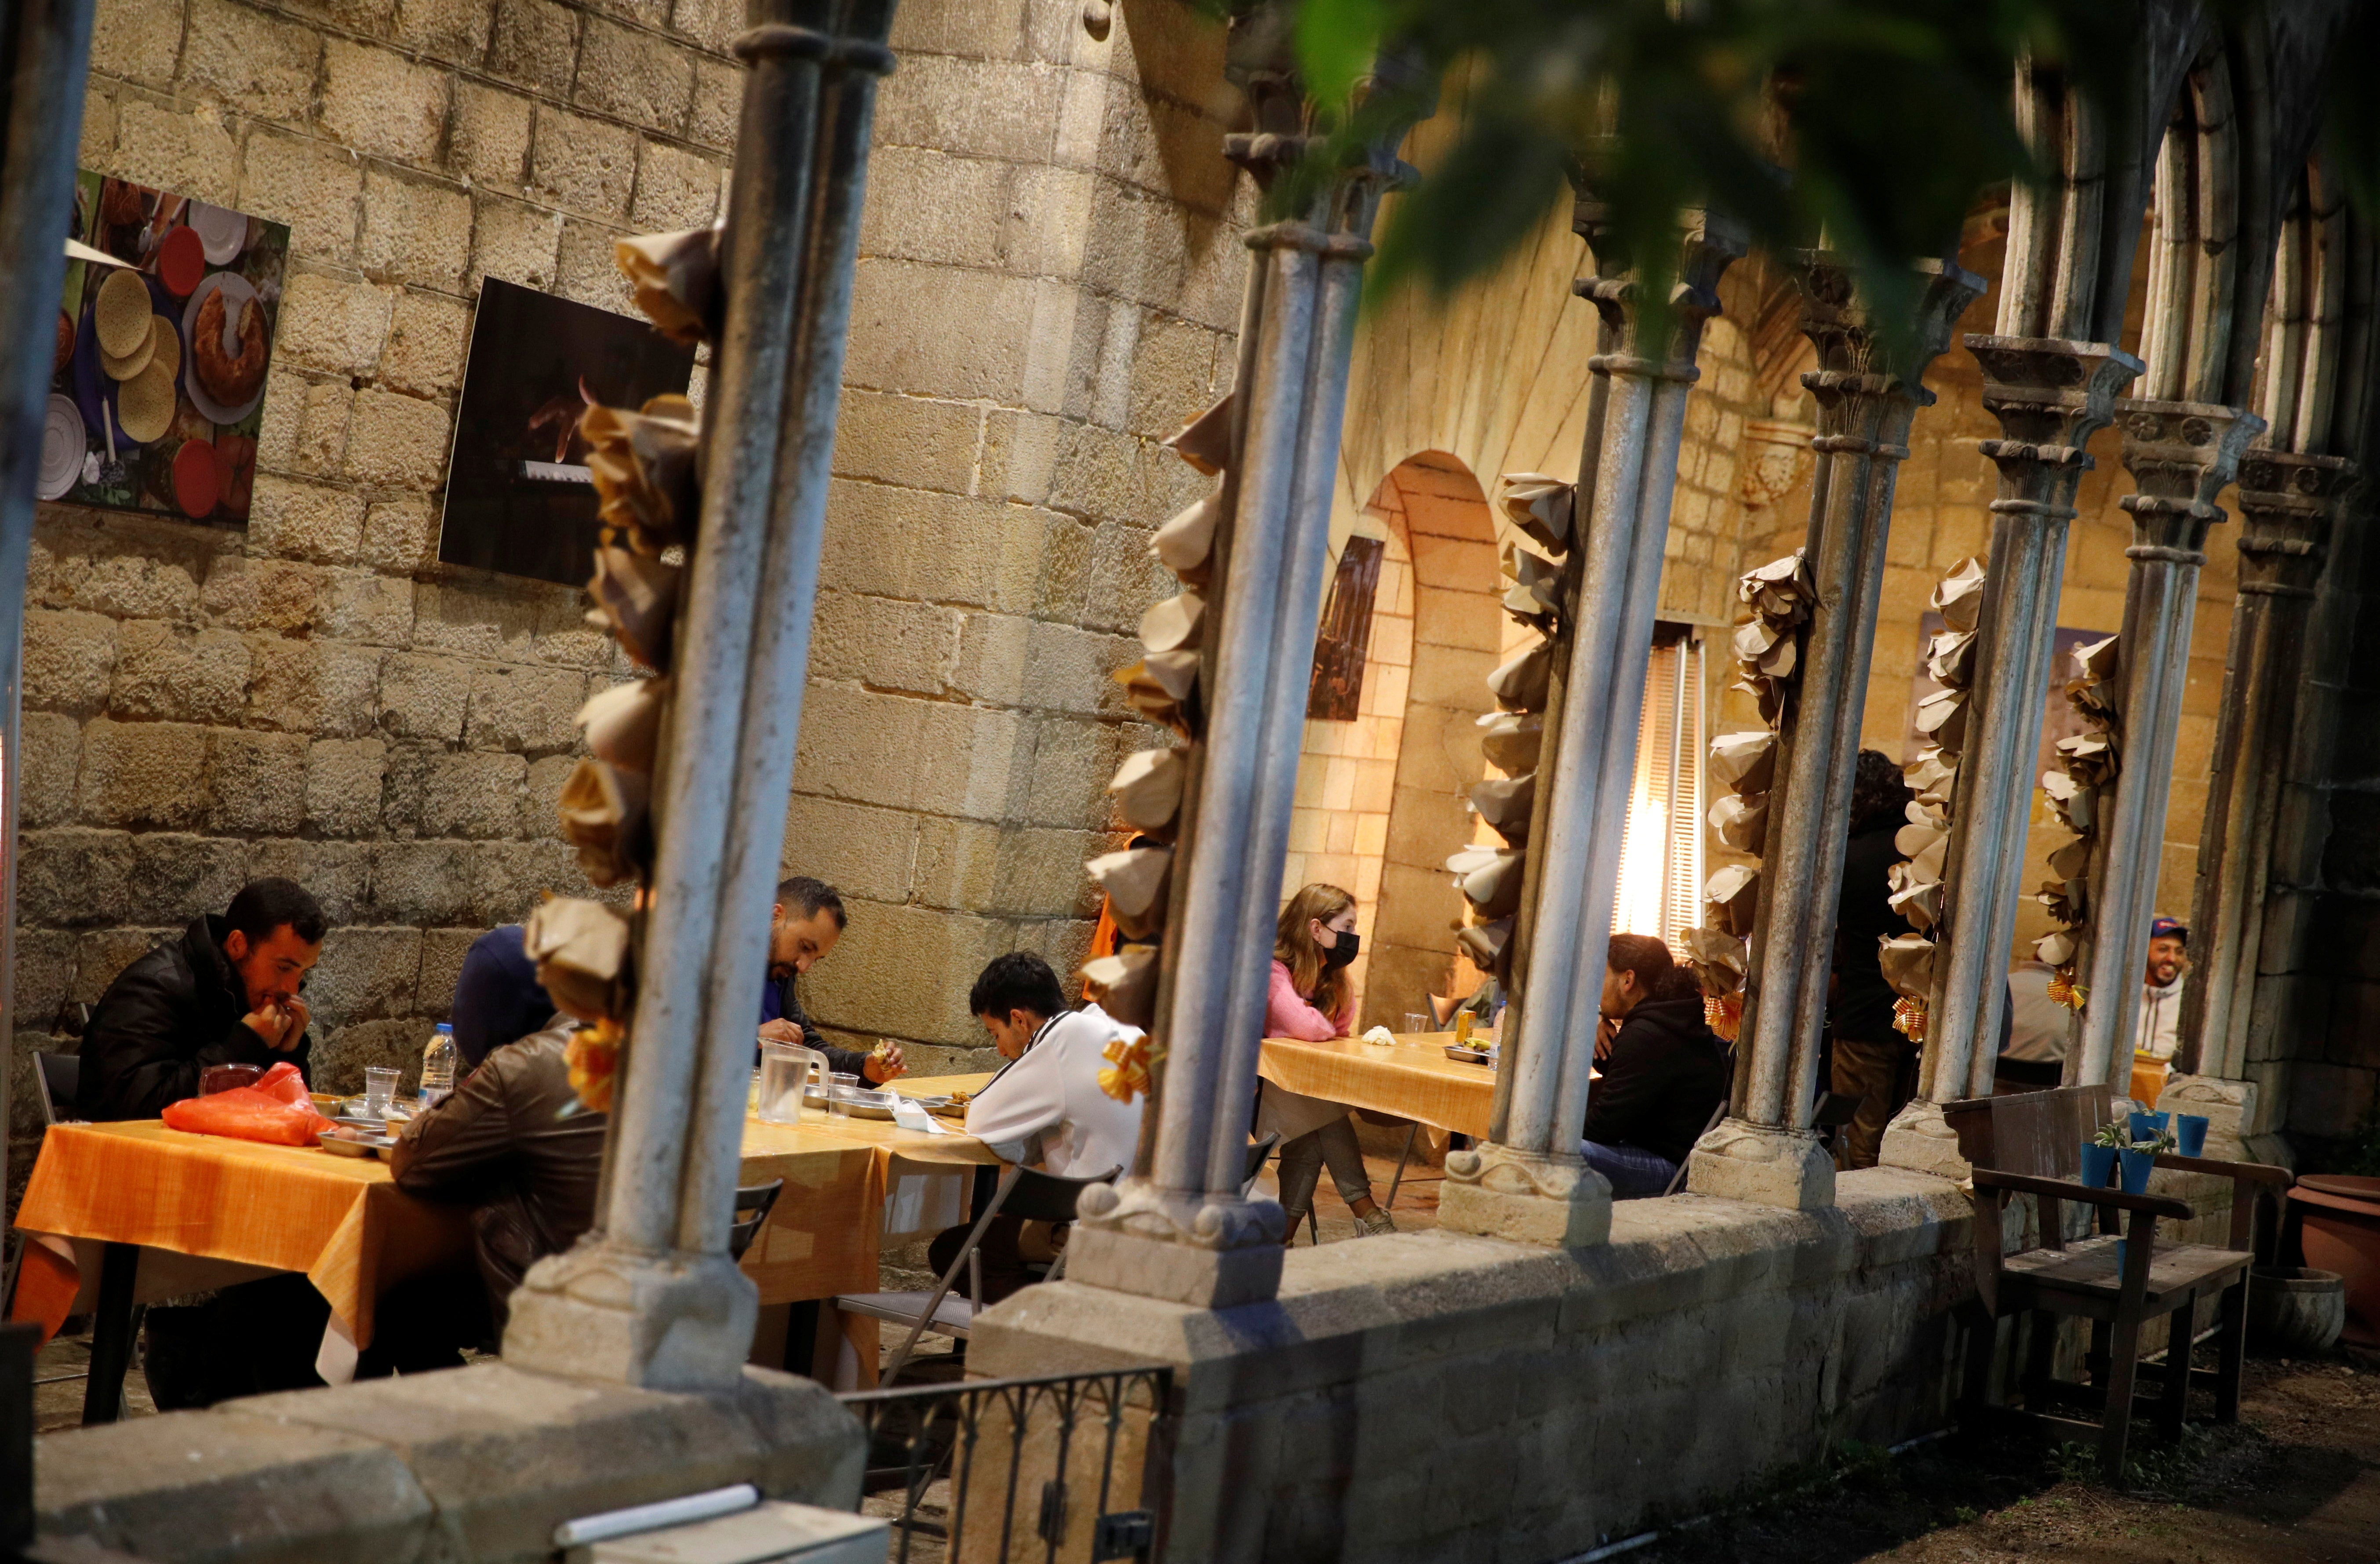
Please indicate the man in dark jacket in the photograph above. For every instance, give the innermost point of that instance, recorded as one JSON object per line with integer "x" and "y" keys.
{"x": 223, "y": 993}
{"x": 1870, "y": 1061}
{"x": 513, "y": 1144}
{"x": 805, "y": 925}
{"x": 1664, "y": 1069}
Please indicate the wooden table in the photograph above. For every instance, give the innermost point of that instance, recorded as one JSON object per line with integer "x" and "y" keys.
{"x": 1410, "y": 1079}
{"x": 162, "y": 1213}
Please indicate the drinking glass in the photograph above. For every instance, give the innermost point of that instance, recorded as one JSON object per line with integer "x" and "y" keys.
{"x": 380, "y": 1087}
{"x": 839, "y": 1090}
{"x": 1419, "y": 1023}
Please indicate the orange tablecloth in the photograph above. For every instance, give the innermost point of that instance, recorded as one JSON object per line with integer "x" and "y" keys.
{"x": 346, "y": 1225}
{"x": 1413, "y": 1079}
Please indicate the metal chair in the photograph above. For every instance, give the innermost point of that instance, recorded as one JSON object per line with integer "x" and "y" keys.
{"x": 59, "y": 1076}
{"x": 752, "y": 1207}
{"x": 1025, "y": 1192}
{"x": 1712, "y": 1123}
{"x": 1258, "y": 1154}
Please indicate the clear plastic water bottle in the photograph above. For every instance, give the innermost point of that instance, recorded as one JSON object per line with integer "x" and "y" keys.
{"x": 438, "y": 1067}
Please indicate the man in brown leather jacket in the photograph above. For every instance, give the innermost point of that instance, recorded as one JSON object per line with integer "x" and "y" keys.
{"x": 513, "y": 1144}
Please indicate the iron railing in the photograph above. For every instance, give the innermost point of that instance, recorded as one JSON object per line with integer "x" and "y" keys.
{"x": 1060, "y": 1467}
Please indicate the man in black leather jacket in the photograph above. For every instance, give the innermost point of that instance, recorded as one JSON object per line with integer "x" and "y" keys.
{"x": 223, "y": 993}
{"x": 513, "y": 1144}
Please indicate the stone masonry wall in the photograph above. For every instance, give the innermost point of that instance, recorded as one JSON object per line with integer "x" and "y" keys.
{"x": 1439, "y": 1398}
{"x": 1049, "y": 286}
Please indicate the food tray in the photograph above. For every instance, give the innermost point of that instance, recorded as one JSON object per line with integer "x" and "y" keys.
{"x": 347, "y": 1142}
{"x": 1469, "y": 1056}
{"x": 864, "y": 1105}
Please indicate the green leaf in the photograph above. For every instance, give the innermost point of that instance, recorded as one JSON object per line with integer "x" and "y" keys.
{"x": 1336, "y": 42}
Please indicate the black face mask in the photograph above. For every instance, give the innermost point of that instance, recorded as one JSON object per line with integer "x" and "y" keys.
{"x": 1341, "y": 954}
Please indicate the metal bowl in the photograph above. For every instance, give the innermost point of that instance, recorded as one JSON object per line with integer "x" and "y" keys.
{"x": 1469, "y": 1056}
{"x": 347, "y": 1142}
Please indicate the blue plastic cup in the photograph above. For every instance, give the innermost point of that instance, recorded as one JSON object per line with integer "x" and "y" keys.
{"x": 2136, "y": 1163}
{"x": 2190, "y": 1133}
{"x": 2098, "y": 1164}
{"x": 2146, "y": 1127}
{"x": 2119, "y": 1260}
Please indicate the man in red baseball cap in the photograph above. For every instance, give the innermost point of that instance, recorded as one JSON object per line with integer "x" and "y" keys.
{"x": 2161, "y": 988}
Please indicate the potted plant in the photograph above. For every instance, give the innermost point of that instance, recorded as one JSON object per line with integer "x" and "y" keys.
{"x": 2099, "y": 1154}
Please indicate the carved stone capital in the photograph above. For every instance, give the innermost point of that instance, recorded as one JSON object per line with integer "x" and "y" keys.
{"x": 1708, "y": 243}
{"x": 1763, "y": 1164}
{"x": 2180, "y": 454}
{"x": 1921, "y": 1140}
{"x": 1134, "y": 1237}
{"x": 662, "y": 1322}
{"x": 2288, "y": 503}
{"x": 2050, "y": 397}
{"x": 1501, "y": 1193}
{"x": 1857, "y": 364}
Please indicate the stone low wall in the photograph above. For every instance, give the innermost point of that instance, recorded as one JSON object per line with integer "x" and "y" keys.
{"x": 472, "y": 1466}
{"x": 1434, "y": 1396}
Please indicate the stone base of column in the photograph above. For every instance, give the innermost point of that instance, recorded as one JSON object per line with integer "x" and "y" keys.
{"x": 1497, "y": 1191}
{"x": 1767, "y": 1166}
{"x": 660, "y": 1322}
{"x": 1214, "y": 1255}
{"x": 1921, "y": 1140}
{"x": 2230, "y": 1107}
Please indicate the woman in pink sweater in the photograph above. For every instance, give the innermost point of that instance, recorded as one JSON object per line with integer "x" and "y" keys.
{"x": 1311, "y": 1000}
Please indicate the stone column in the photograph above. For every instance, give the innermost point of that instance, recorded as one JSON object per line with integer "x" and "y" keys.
{"x": 1528, "y": 1181}
{"x": 1766, "y": 1151}
{"x": 2180, "y": 456}
{"x": 2288, "y": 504}
{"x": 49, "y": 52}
{"x": 2050, "y": 397}
{"x": 1178, "y": 1228}
{"x": 650, "y": 1298}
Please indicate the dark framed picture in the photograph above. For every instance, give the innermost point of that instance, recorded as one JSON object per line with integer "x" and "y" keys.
{"x": 1344, "y": 640}
{"x": 165, "y": 343}
{"x": 519, "y": 499}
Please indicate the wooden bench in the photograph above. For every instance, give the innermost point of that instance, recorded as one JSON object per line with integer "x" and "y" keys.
{"x": 2031, "y": 1143}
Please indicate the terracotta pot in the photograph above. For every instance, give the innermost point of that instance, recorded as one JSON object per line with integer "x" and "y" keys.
{"x": 2339, "y": 1220}
{"x": 2294, "y": 1312}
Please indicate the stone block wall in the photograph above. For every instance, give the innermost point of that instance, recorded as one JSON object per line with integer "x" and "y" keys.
{"x": 1433, "y": 1397}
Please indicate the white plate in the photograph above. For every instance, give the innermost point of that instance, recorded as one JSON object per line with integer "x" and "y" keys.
{"x": 223, "y": 234}
{"x": 64, "y": 441}
{"x": 236, "y": 291}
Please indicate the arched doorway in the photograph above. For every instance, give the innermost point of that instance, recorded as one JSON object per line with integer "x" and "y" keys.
{"x": 1382, "y": 797}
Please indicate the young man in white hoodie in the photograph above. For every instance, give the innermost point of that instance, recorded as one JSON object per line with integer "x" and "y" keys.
{"x": 2168, "y": 969}
{"x": 1045, "y": 1108}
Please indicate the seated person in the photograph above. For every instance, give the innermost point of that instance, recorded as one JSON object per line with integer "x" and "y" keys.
{"x": 803, "y": 926}
{"x": 1664, "y": 1069}
{"x": 506, "y": 1145}
{"x": 223, "y": 993}
{"x": 1045, "y": 1106}
{"x": 498, "y": 998}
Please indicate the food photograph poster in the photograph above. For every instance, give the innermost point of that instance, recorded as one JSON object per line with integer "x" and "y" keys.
{"x": 164, "y": 338}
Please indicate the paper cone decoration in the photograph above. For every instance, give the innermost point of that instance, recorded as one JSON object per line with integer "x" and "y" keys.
{"x": 1950, "y": 658}
{"x": 1780, "y": 589}
{"x": 644, "y": 467}
{"x": 1176, "y": 672}
{"x": 2073, "y": 862}
{"x": 1135, "y": 882}
{"x": 1719, "y": 959}
{"x": 1206, "y": 440}
{"x": 1921, "y": 905}
{"x": 1927, "y": 863}
{"x": 2054, "y": 948}
{"x": 635, "y": 600}
{"x": 1931, "y": 775}
{"x": 1907, "y": 961}
{"x": 1470, "y": 860}
{"x": 1942, "y": 717}
{"x": 1485, "y": 944}
{"x": 624, "y": 723}
{"x": 1540, "y": 506}
{"x": 1512, "y": 740}
{"x": 1505, "y": 804}
{"x": 1151, "y": 699}
{"x": 581, "y": 952}
{"x": 1959, "y": 596}
{"x": 1494, "y": 889}
{"x": 1186, "y": 545}
{"x": 1174, "y": 624}
{"x": 602, "y": 811}
{"x": 1732, "y": 894}
{"x": 1744, "y": 762}
{"x": 1519, "y": 683}
{"x": 2095, "y": 663}
{"x": 1535, "y": 593}
{"x": 675, "y": 280}
{"x": 1916, "y": 837}
{"x": 1130, "y": 978}
{"x": 1741, "y": 822}
{"x": 1148, "y": 790}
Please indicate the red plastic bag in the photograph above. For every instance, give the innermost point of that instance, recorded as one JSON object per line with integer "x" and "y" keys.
{"x": 275, "y": 1110}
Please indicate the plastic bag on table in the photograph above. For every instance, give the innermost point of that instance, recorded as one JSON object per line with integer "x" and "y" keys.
{"x": 275, "y": 1110}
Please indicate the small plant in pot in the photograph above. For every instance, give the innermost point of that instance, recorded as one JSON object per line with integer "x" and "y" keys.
{"x": 2138, "y": 1159}
{"x": 2099, "y": 1154}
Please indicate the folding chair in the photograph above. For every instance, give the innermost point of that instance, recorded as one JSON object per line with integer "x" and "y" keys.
{"x": 1712, "y": 1123}
{"x": 1024, "y": 1192}
{"x": 59, "y": 1078}
{"x": 752, "y": 1207}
